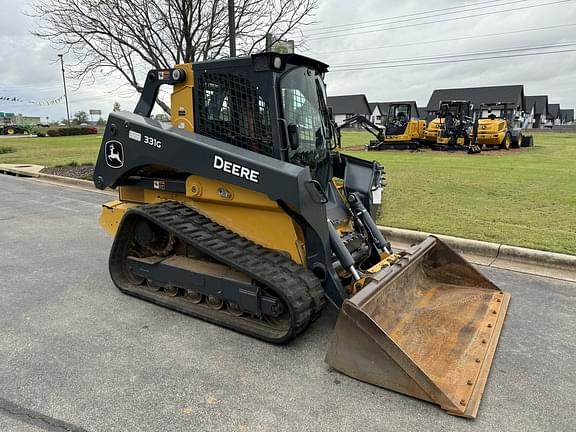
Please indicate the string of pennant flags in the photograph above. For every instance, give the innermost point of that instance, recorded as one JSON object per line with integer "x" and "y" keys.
{"x": 32, "y": 102}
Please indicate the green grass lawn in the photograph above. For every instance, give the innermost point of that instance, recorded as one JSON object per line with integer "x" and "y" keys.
{"x": 355, "y": 138}
{"x": 522, "y": 197}
{"x": 51, "y": 151}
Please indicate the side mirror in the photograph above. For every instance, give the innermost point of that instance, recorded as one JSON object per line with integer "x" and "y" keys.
{"x": 293, "y": 136}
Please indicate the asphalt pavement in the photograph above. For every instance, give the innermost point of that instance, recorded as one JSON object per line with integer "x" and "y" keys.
{"x": 77, "y": 355}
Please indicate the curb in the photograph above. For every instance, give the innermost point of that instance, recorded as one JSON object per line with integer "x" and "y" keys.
{"x": 50, "y": 178}
{"x": 524, "y": 260}
{"x": 536, "y": 262}
{"x": 405, "y": 238}
{"x": 85, "y": 184}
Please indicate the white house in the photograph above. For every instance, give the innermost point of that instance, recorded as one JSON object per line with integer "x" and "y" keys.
{"x": 376, "y": 113}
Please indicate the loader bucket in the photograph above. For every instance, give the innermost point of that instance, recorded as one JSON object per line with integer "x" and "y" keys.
{"x": 427, "y": 327}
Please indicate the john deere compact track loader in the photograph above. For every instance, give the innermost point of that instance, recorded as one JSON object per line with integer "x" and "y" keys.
{"x": 243, "y": 215}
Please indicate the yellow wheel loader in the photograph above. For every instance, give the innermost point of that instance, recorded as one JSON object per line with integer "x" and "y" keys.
{"x": 243, "y": 214}
{"x": 498, "y": 126}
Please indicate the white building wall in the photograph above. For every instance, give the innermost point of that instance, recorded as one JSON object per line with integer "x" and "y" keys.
{"x": 339, "y": 118}
{"x": 376, "y": 116}
{"x": 529, "y": 119}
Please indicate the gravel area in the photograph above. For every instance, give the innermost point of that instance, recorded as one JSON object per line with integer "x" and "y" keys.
{"x": 80, "y": 172}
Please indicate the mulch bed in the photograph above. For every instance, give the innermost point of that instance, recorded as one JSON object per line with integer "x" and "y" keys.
{"x": 79, "y": 172}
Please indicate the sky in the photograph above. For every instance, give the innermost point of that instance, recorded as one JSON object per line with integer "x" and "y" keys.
{"x": 551, "y": 74}
{"x": 350, "y": 33}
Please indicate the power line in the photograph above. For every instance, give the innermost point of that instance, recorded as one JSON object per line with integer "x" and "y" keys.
{"x": 464, "y": 54}
{"x": 407, "y": 15}
{"x": 453, "y": 61}
{"x": 419, "y": 43}
{"x": 441, "y": 21}
{"x": 431, "y": 14}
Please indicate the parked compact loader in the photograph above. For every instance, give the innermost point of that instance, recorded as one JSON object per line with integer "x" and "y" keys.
{"x": 456, "y": 120}
{"x": 243, "y": 214}
{"x": 498, "y": 126}
{"x": 432, "y": 130}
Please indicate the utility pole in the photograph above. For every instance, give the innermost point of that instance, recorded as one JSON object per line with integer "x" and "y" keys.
{"x": 65, "y": 92}
{"x": 232, "y": 28}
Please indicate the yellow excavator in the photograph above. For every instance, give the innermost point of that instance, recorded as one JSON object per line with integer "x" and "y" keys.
{"x": 403, "y": 129}
{"x": 244, "y": 214}
{"x": 403, "y": 126}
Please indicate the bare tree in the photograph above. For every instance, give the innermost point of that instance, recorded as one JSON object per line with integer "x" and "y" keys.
{"x": 80, "y": 117}
{"x": 128, "y": 37}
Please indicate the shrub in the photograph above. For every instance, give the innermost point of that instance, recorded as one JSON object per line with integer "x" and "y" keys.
{"x": 72, "y": 131}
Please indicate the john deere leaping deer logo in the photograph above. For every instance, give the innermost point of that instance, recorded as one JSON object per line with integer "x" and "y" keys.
{"x": 114, "y": 154}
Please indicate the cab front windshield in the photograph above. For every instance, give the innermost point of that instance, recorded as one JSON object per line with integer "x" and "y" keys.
{"x": 456, "y": 109}
{"x": 496, "y": 111}
{"x": 303, "y": 105}
{"x": 399, "y": 112}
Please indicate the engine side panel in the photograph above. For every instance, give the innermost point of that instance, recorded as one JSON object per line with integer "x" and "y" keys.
{"x": 250, "y": 214}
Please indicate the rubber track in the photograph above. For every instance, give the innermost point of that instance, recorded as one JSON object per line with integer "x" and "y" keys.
{"x": 283, "y": 277}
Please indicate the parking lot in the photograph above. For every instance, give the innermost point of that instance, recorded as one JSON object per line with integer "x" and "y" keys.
{"x": 78, "y": 355}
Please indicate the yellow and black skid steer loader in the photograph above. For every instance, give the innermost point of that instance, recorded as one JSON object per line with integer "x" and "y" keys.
{"x": 244, "y": 215}
{"x": 456, "y": 118}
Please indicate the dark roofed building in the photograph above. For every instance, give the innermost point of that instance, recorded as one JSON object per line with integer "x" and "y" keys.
{"x": 529, "y": 102}
{"x": 553, "y": 111}
{"x": 423, "y": 113}
{"x": 537, "y": 107}
{"x": 567, "y": 116}
{"x": 479, "y": 95}
{"x": 348, "y": 106}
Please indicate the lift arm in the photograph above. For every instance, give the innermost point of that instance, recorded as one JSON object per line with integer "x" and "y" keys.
{"x": 366, "y": 124}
